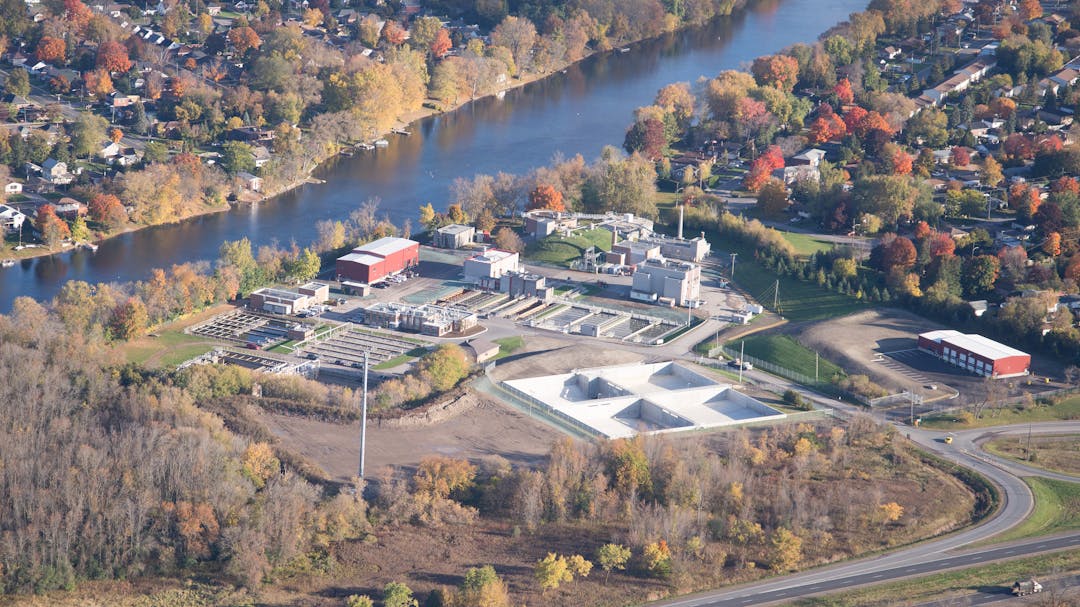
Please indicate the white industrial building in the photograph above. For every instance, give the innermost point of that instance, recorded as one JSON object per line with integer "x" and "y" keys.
{"x": 667, "y": 281}
{"x": 492, "y": 263}
{"x": 425, "y": 319}
{"x": 283, "y": 301}
{"x": 625, "y": 400}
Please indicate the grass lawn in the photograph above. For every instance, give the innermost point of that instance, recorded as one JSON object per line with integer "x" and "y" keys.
{"x": 950, "y": 584}
{"x": 1057, "y": 509}
{"x": 401, "y": 360}
{"x": 1059, "y": 452}
{"x": 786, "y": 352}
{"x": 561, "y": 251}
{"x": 507, "y": 345}
{"x": 799, "y": 301}
{"x": 1066, "y": 409}
{"x": 807, "y": 244}
{"x": 169, "y": 348}
{"x": 284, "y": 347}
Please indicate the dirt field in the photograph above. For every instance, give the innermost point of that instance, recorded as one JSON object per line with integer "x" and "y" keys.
{"x": 882, "y": 344}
{"x": 488, "y": 428}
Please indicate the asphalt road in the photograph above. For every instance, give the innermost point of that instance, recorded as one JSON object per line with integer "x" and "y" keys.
{"x": 1063, "y": 587}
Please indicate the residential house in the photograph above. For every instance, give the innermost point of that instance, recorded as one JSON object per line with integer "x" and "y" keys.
{"x": 958, "y": 82}
{"x": 811, "y": 157}
{"x": 69, "y": 207}
{"x": 56, "y": 172}
{"x": 11, "y": 219}
{"x": 251, "y": 133}
{"x": 890, "y": 52}
{"x": 794, "y": 174}
{"x": 13, "y": 187}
{"x": 251, "y": 182}
{"x": 262, "y": 156}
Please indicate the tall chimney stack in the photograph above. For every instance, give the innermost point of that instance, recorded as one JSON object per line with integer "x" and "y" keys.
{"x": 680, "y": 221}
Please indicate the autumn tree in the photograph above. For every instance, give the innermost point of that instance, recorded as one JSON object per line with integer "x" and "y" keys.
{"x": 508, "y": 240}
{"x": 50, "y": 49}
{"x": 786, "y": 550}
{"x": 129, "y": 319}
{"x": 656, "y": 558}
{"x": 442, "y": 44}
{"x": 97, "y": 82}
{"x": 762, "y": 168}
{"x": 960, "y": 157}
{"x": 891, "y": 512}
{"x": 440, "y": 476}
{"x": 518, "y": 35}
{"x": 396, "y": 594}
{"x": 1052, "y": 246}
{"x": 393, "y": 33}
{"x": 843, "y": 91}
{"x": 244, "y": 39}
{"x": 779, "y": 71}
{"x": 979, "y": 274}
{"x": 51, "y": 228}
{"x": 898, "y": 253}
{"x": 17, "y": 82}
{"x": 772, "y": 198}
{"x": 612, "y": 557}
{"x": 482, "y": 587}
{"x": 108, "y": 210}
{"x": 552, "y": 571}
{"x": 1030, "y": 9}
{"x": 546, "y": 197}
{"x": 113, "y": 57}
{"x": 647, "y": 137}
{"x": 992, "y": 174}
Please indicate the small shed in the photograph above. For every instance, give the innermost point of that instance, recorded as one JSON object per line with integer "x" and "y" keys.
{"x": 483, "y": 350}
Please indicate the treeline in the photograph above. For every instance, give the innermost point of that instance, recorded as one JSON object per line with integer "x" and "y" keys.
{"x": 696, "y": 514}
{"x": 110, "y": 474}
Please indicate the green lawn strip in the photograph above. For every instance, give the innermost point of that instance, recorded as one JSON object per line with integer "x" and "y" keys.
{"x": 950, "y": 584}
{"x": 799, "y": 301}
{"x": 1057, "y": 509}
{"x": 683, "y": 330}
{"x": 783, "y": 350}
{"x": 1067, "y": 409}
{"x": 284, "y": 347}
{"x": 561, "y": 251}
{"x": 143, "y": 349}
{"x": 402, "y": 359}
{"x": 807, "y": 244}
{"x": 507, "y": 345}
{"x": 550, "y": 311}
{"x": 183, "y": 353}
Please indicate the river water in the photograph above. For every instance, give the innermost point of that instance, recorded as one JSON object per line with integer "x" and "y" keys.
{"x": 575, "y": 112}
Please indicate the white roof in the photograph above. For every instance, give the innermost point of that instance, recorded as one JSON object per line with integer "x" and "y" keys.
{"x": 492, "y": 256}
{"x": 987, "y": 348}
{"x": 386, "y": 246}
{"x": 361, "y": 258}
{"x": 940, "y": 335}
{"x": 454, "y": 228}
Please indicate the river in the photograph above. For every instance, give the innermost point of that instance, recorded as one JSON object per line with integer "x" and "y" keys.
{"x": 579, "y": 111}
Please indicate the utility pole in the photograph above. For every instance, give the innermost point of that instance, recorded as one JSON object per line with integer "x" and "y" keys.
{"x": 1029, "y": 442}
{"x": 363, "y": 417}
{"x": 817, "y": 377}
{"x": 733, "y": 255}
{"x": 776, "y": 297}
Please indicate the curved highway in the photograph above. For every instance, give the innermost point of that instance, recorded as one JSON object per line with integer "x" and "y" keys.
{"x": 929, "y": 556}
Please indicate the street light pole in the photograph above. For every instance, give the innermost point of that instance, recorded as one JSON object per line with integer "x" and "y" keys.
{"x": 733, "y": 256}
{"x": 363, "y": 417}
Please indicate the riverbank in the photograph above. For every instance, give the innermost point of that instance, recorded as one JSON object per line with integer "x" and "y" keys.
{"x": 409, "y": 122}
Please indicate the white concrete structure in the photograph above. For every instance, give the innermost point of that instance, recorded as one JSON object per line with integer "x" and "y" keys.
{"x": 492, "y": 263}
{"x": 674, "y": 281}
{"x": 625, "y": 400}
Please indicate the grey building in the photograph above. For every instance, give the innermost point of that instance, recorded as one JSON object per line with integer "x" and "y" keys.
{"x": 453, "y": 236}
{"x": 662, "y": 280}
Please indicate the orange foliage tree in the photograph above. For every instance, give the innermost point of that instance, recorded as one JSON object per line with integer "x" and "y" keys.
{"x": 546, "y": 197}
{"x": 244, "y": 39}
{"x": 113, "y": 57}
{"x": 50, "y": 49}
{"x": 779, "y": 71}
{"x": 441, "y": 44}
{"x": 843, "y": 91}
{"x": 761, "y": 169}
{"x": 394, "y": 33}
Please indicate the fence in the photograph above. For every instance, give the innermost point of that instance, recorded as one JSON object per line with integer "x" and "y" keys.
{"x": 795, "y": 376}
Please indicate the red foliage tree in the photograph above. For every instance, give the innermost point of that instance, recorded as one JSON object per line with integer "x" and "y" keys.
{"x": 1066, "y": 184}
{"x": 853, "y": 117}
{"x": 1072, "y": 270}
{"x": 843, "y": 91}
{"x": 77, "y": 14}
{"x": 941, "y": 244}
{"x": 97, "y": 82}
{"x": 394, "y": 33}
{"x": 1025, "y": 200}
{"x": 441, "y": 44}
{"x": 779, "y": 71}
{"x": 546, "y": 197}
{"x": 1050, "y": 145}
{"x": 762, "y": 167}
{"x": 107, "y": 209}
{"x": 872, "y": 121}
{"x": 113, "y": 57}
{"x": 50, "y": 49}
{"x": 922, "y": 230}
{"x": 960, "y": 156}
{"x": 900, "y": 253}
{"x": 1018, "y": 146}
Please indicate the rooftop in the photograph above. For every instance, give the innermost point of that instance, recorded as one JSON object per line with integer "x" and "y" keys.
{"x": 492, "y": 256}
{"x": 976, "y": 344}
{"x": 386, "y": 246}
{"x": 279, "y": 294}
{"x": 361, "y": 258}
{"x": 454, "y": 228}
